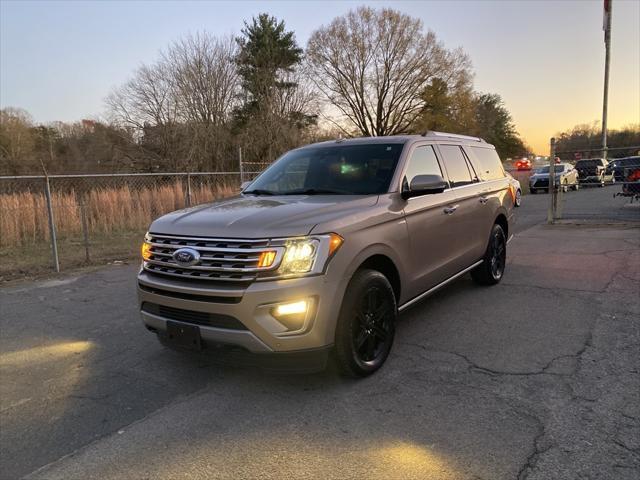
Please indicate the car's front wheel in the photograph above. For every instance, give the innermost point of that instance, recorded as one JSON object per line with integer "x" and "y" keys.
{"x": 491, "y": 270}
{"x": 366, "y": 326}
{"x": 518, "y": 200}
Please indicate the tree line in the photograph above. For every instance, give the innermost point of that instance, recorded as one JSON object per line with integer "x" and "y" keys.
{"x": 369, "y": 72}
{"x": 585, "y": 141}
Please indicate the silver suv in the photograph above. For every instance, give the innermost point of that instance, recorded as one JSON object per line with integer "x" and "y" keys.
{"x": 321, "y": 252}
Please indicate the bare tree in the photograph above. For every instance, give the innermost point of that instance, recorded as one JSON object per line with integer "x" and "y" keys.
{"x": 146, "y": 99}
{"x": 373, "y": 65}
{"x": 204, "y": 77}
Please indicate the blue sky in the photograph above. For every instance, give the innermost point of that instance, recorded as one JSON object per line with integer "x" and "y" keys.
{"x": 59, "y": 59}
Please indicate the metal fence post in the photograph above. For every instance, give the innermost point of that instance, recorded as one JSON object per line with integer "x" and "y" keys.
{"x": 52, "y": 225}
{"x": 85, "y": 229}
{"x": 188, "y": 199}
{"x": 241, "y": 170}
{"x": 552, "y": 182}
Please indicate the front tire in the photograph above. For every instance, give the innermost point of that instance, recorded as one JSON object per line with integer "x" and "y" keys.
{"x": 366, "y": 326}
{"x": 518, "y": 200}
{"x": 491, "y": 271}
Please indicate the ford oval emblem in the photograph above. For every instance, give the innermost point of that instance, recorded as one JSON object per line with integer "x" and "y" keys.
{"x": 186, "y": 257}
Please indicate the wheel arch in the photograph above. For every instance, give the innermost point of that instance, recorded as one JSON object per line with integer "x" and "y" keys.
{"x": 501, "y": 220}
{"x": 385, "y": 265}
{"x": 382, "y": 258}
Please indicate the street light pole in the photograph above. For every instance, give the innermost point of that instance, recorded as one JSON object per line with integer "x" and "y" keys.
{"x": 607, "y": 46}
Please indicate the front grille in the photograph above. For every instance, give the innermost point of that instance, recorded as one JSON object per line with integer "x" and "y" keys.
{"x": 233, "y": 260}
{"x": 190, "y": 316}
{"x": 541, "y": 182}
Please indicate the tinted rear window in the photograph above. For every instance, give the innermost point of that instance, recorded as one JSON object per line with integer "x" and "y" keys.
{"x": 489, "y": 163}
{"x": 456, "y": 165}
{"x": 588, "y": 163}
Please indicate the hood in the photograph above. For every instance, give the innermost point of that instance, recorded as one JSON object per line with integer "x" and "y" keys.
{"x": 248, "y": 216}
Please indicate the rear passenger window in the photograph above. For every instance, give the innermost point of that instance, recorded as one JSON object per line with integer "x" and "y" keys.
{"x": 457, "y": 166}
{"x": 489, "y": 163}
{"x": 423, "y": 161}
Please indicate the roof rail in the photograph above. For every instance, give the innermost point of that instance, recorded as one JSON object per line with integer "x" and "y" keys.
{"x": 429, "y": 133}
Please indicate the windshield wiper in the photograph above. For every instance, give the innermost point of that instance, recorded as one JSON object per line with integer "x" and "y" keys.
{"x": 259, "y": 191}
{"x": 315, "y": 191}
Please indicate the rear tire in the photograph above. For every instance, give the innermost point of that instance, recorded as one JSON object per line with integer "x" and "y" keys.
{"x": 366, "y": 325}
{"x": 533, "y": 191}
{"x": 492, "y": 268}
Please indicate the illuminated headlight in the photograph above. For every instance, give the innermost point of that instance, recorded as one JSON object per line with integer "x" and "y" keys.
{"x": 305, "y": 255}
{"x": 299, "y": 256}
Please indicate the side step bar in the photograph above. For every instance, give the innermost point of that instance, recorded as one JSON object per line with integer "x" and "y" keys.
{"x": 423, "y": 295}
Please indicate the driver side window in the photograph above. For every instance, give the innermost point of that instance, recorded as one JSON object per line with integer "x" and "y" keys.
{"x": 423, "y": 161}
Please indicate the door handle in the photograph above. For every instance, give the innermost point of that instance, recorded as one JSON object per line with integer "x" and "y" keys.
{"x": 483, "y": 200}
{"x": 450, "y": 210}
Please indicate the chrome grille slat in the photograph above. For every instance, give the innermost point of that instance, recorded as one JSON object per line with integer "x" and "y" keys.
{"x": 221, "y": 259}
{"x": 226, "y": 258}
{"x": 182, "y": 273}
{"x": 204, "y": 268}
{"x": 213, "y": 249}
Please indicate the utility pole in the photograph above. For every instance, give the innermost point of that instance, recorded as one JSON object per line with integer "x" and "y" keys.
{"x": 606, "y": 25}
{"x": 553, "y": 198}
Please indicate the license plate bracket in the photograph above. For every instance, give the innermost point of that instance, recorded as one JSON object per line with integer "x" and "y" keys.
{"x": 184, "y": 335}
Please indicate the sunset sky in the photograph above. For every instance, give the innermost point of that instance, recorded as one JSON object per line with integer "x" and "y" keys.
{"x": 58, "y": 60}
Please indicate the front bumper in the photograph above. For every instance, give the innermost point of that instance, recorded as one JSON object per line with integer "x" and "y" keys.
{"x": 258, "y": 331}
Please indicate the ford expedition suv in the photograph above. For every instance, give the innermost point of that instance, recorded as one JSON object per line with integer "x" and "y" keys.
{"x": 320, "y": 253}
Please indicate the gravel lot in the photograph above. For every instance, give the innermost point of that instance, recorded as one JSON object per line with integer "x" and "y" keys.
{"x": 538, "y": 377}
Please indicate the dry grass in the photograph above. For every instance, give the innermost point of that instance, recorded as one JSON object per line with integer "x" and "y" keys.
{"x": 23, "y": 216}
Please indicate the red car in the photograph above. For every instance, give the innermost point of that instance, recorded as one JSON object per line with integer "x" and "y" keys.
{"x": 523, "y": 164}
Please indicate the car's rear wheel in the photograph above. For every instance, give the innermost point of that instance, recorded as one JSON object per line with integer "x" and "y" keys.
{"x": 366, "y": 326}
{"x": 565, "y": 186}
{"x": 494, "y": 261}
{"x": 533, "y": 191}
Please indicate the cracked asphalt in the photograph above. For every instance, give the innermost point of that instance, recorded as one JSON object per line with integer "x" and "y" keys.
{"x": 536, "y": 378}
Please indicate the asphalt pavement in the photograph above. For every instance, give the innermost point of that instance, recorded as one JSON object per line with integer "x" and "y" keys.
{"x": 538, "y": 377}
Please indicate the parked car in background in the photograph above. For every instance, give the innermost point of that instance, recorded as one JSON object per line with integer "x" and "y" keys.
{"x": 566, "y": 177}
{"x": 593, "y": 171}
{"x": 523, "y": 164}
{"x": 323, "y": 249}
{"x": 515, "y": 186}
{"x": 617, "y": 167}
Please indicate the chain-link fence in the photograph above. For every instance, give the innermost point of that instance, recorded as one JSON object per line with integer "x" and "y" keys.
{"x": 64, "y": 221}
{"x": 601, "y": 176}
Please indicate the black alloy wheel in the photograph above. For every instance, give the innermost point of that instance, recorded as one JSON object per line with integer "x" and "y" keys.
{"x": 491, "y": 270}
{"x": 366, "y": 326}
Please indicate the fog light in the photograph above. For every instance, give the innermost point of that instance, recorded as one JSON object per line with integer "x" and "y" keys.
{"x": 295, "y": 308}
{"x": 293, "y": 315}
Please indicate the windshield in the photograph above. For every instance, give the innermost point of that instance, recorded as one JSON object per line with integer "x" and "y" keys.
{"x": 341, "y": 170}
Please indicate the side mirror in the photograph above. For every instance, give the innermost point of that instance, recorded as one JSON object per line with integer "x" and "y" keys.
{"x": 244, "y": 185}
{"x": 424, "y": 185}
